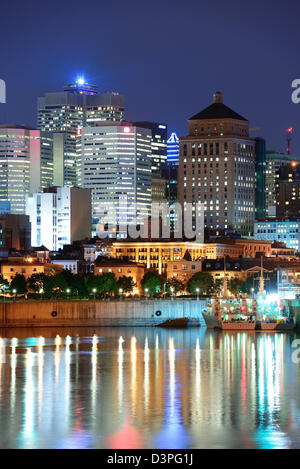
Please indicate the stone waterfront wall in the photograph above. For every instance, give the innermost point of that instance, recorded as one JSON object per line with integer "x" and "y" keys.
{"x": 99, "y": 313}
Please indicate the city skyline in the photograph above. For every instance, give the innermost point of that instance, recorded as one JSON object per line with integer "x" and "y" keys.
{"x": 144, "y": 71}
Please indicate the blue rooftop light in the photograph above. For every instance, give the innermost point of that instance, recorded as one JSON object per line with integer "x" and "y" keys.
{"x": 80, "y": 81}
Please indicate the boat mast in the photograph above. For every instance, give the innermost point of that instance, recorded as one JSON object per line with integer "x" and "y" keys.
{"x": 225, "y": 288}
{"x": 261, "y": 278}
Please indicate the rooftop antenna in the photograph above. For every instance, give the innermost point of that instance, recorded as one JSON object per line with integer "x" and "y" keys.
{"x": 289, "y": 132}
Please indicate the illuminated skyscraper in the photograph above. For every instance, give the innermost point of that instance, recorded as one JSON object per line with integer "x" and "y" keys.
{"x": 158, "y": 157}
{"x": 274, "y": 161}
{"x": 173, "y": 149}
{"x": 26, "y": 164}
{"x": 116, "y": 166}
{"x": 158, "y": 144}
{"x": 217, "y": 168}
{"x": 63, "y": 113}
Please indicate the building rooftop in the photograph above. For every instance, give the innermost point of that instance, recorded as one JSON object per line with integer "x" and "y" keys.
{"x": 17, "y": 126}
{"x": 217, "y": 110}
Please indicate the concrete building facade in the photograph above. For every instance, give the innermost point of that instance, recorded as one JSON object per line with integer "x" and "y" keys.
{"x": 217, "y": 168}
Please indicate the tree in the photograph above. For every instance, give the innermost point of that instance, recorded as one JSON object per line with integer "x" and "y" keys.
{"x": 202, "y": 281}
{"x": 18, "y": 284}
{"x": 175, "y": 285}
{"x": 107, "y": 283}
{"x": 217, "y": 287}
{"x": 75, "y": 282}
{"x": 4, "y": 285}
{"x": 91, "y": 282}
{"x": 235, "y": 285}
{"x": 126, "y": 284}
{"x": 37, "y": 282}
{"x": 55, "y": 284}
{"x": 152, "y": 283}
{"x": 104, "y": 283}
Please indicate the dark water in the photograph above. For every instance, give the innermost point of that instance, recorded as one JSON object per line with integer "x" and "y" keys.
{"x": 148, "y": 388}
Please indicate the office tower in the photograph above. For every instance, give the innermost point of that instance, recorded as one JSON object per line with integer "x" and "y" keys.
{"x": 217, "y": 168}
{"x": 59, "y": 216}
{"x": 288, "y": 191}
{"x": 64, "y": 113}
{"x": 42, "y": 164}
{"x": 158, "y": 144}
{"x": 260, "y": 177}
{"x": 25, "y": 164}
{"x": 170, "y": 175}
{"x": 285, "y": 231}
{"x": 104, "y": 107}
{"x": 274, "y": 161}
{"x": 173, "y": 149}
{"x": 14, "y": 232}
{"x": 116, "y": 166}
{"x": 158, "y": 157}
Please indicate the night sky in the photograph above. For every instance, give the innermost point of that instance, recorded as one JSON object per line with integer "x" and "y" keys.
{"x": 166, "y": 56}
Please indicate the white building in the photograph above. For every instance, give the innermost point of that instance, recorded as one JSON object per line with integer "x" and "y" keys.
{"x": 116, "y": 166}
{"x": 285, "y": 231}
{"x": 59, "y": 216}
{"x": 67, "y": 264}
{"x": 26, "y": 164}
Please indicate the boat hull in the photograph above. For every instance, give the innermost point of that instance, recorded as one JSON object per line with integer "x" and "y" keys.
{"x": 237, "y": 326}
{"x": 273, "y": 326}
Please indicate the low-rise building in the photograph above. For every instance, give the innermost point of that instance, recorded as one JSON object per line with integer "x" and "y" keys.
{"x": 286, "y": 231}
{"x": 25, "y": 266}
{"x": 280, "y": 251}
{"x": 183, "y": 269}
{"x": 67, "y": 264}
{"x": 157, "y": 254}
{"x": 253, "y": 247}
{"x": 121, "y": 267}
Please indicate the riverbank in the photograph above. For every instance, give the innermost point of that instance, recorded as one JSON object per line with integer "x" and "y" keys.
{"x": 100, "y": 313}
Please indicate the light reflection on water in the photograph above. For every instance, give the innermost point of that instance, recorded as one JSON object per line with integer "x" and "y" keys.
{"x": 148, "y": 388}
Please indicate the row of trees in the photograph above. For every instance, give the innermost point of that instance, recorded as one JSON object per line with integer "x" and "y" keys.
{"x": 67, "y": 283}
{"x": 201, "y": 283}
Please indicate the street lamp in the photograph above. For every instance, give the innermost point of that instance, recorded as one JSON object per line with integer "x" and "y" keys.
{"x": 14, "y": 292}
{"x": 41, "y": 292}
{"x": 120, "y": 292}
{"x": 197, "y": 290}
{"x": 94, "y": 291}
{"x": 146, "y": 291}
{"x": 68, "y": 291}
{"x": 172, "y": 291}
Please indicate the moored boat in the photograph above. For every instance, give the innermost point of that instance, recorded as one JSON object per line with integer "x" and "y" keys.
{"x": 238, "y": 325}
{"x": 274, "y": 326}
